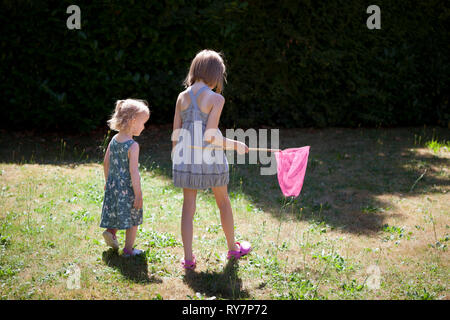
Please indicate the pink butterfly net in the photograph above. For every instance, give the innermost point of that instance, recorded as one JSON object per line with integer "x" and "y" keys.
{"x": 291, "y": 168}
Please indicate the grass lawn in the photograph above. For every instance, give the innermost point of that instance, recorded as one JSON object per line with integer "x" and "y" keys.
{"x": 372, "y": 221}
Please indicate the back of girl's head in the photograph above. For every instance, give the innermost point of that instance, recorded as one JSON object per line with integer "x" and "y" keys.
{"x": 125, "y": 111}
{"x": 208, "y": 66}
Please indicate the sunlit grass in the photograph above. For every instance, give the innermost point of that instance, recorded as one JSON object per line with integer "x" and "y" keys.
{"x": 355, "y": 213}
{"x": 436, "y": 145}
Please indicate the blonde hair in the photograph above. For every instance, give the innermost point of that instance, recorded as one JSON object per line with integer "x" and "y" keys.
{"x": 208, "y": 66}
{"x": 125, "y": 111}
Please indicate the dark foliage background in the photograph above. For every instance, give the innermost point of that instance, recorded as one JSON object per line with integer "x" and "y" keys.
{"x": 290, "y": 63}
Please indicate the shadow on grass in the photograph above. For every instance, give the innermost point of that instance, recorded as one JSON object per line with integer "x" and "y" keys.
{"x": 133, "y": 268}
{"x": 224, "y": 285}
{"x": 350, "y": 176}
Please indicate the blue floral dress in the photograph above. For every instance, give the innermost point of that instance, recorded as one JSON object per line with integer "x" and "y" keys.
{"x": 118, "y": 211}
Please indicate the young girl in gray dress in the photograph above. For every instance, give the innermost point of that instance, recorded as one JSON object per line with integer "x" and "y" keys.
{"x": 195, "y": 128}
{"x": 122, "y": 204}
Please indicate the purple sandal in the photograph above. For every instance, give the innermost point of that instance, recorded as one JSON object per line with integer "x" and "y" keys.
{"x": 189, "y": 264}
{"x": 244, "y": 248}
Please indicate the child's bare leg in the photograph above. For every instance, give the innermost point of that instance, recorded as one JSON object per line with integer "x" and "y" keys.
{"x": 187, "y": 217}
{"x": 226, "y": 215}
{"x": 113, "y": 232}
{"x": 130, "y": 237}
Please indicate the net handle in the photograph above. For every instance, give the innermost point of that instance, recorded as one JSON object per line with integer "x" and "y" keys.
{"x": 249, "y": 149}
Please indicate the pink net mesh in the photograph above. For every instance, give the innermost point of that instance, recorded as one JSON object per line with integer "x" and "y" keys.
{"x": 291, "y": 168}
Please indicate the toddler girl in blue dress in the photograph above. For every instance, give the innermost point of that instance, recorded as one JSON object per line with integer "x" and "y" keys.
{"x": 122, "y": 204}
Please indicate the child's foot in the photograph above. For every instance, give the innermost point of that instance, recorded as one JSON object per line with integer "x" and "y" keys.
{"x": 244, "y": 248}
{"x": 110, "y": 239}
{"x": 189, "y": 264}
{"x": 134, "y": 252}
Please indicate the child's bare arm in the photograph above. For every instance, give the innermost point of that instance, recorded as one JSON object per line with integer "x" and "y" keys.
{"x": 212, "y": 134}
{"x": 135, "y": 177}
{"x": 176, "y": 123}
{"x": 106, "y": 164}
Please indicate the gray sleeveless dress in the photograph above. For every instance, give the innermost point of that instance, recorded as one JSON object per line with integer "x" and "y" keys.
{"x": 197, "y": 167}
{"x": 117, "y": 209}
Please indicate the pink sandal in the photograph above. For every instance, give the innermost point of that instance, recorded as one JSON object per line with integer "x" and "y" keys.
{"x": 244, "y": 248}
{"x": 189, "y": 264}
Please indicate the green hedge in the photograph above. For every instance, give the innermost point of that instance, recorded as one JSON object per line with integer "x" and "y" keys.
{"x": 290, "y": 63}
